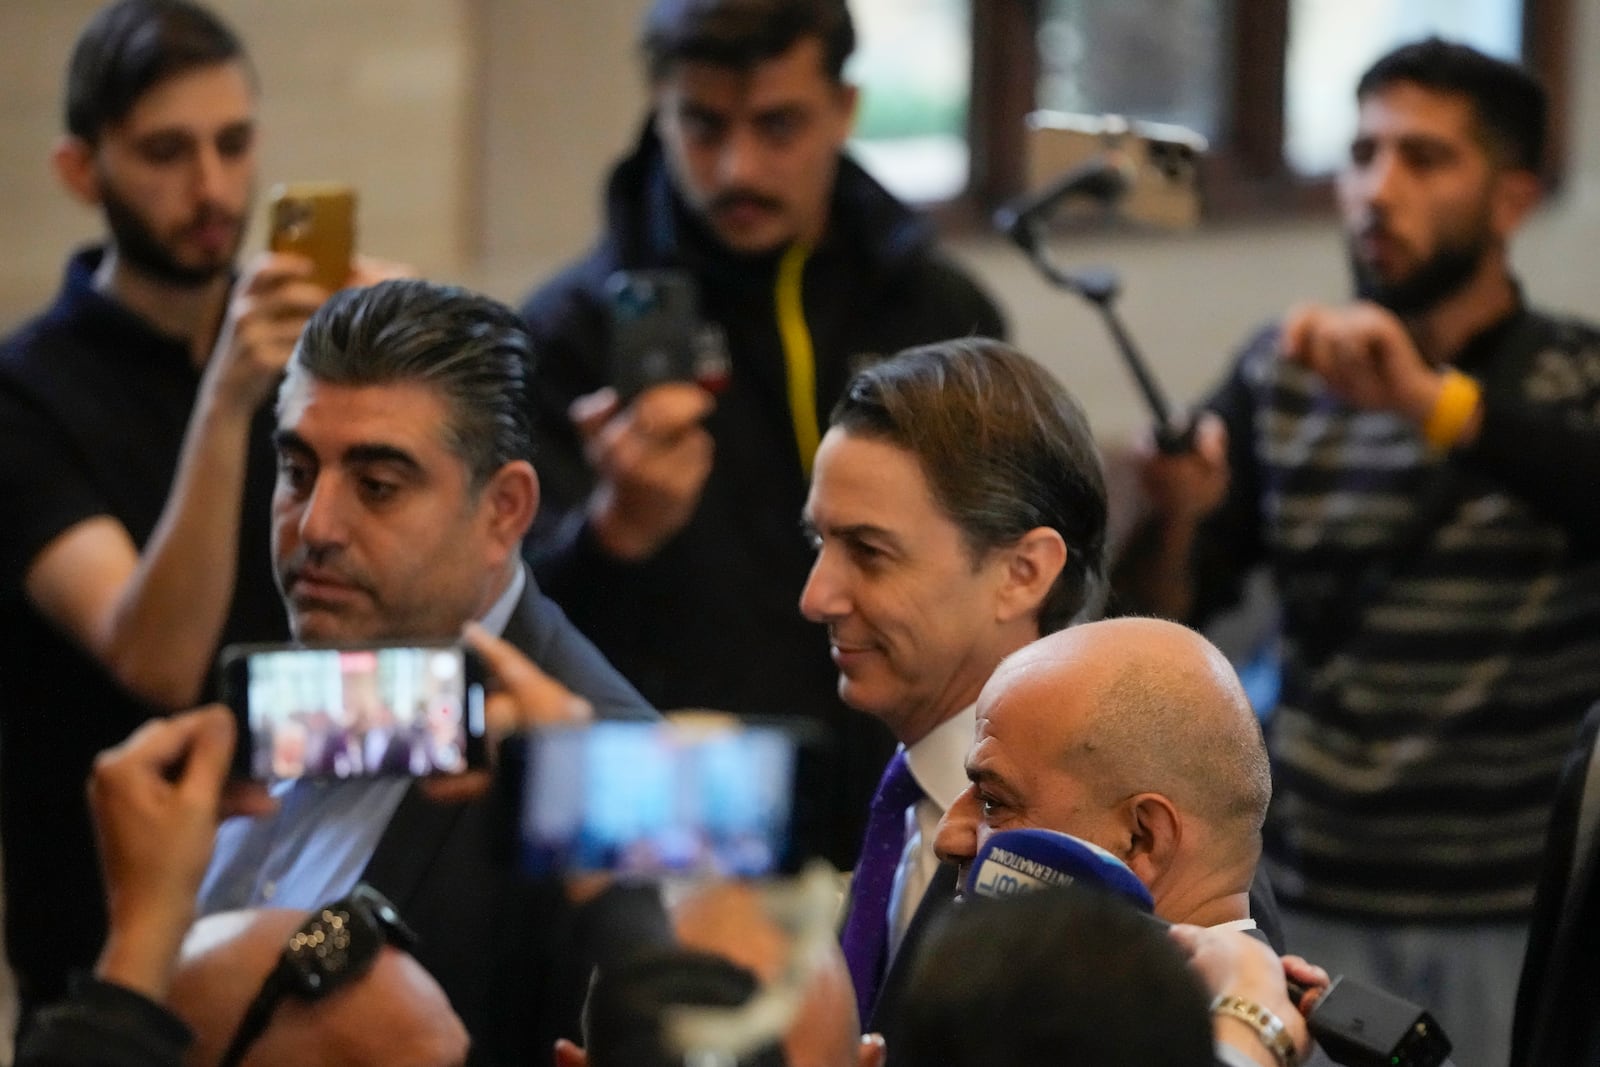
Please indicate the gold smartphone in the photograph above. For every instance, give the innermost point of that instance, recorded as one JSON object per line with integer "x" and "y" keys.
{"x": 316, "y": 220}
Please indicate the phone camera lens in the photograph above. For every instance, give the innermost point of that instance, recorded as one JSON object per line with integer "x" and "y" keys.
{"x": 635, "y": 298}
{"x": 294, "y": 220}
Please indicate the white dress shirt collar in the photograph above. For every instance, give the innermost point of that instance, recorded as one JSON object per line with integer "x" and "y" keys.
{"x": 939, "y": 760}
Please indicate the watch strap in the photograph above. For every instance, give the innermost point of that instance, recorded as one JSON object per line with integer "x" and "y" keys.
{"x": 258, "y": 1015}
{"x": 1267, "y": 1026}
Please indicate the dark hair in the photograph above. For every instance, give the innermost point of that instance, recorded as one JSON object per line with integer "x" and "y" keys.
{"x": 624, "y": 1015}
{"x": 132, "y": 45}
{"x": 1508, "y": 101}
{"x": 472, "y": 349}
{"x": 742, "y": 33}
{"x": 1063, "y": 975}
{"x": 1004, "y": 447}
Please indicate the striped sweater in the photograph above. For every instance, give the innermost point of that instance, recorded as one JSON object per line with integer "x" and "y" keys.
{"x": 1417, "y": 742}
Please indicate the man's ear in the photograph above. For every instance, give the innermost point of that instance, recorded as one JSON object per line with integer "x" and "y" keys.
{"x": 1153, "y": 832}
{"x": 74, "y": 164}
{"x": 1516, "y": 193}
{"x": 850, "y": 101}
{"x": 872, "y": 1052}
{"x": 569, "y": 1055}
{"x": 662, "y": 114}
{"x": 1031, "y": 568}
{"x": 512, "y": 499}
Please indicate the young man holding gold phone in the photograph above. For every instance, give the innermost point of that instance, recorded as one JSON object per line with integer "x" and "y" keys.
{"x": 136, "y": 470}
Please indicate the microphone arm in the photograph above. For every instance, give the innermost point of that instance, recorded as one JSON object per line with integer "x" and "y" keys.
{"x": 1107, "y": 179}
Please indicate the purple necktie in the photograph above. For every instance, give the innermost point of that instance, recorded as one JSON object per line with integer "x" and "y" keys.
{"x": 866, "y": 931}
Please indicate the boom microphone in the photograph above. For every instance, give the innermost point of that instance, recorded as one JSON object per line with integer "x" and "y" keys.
{"x": 1361, "y": 1026}
{"x": 1105, "y": 179}
{"x": 1012, "y": 862}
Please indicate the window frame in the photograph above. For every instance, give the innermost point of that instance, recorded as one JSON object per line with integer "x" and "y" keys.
{"x": 1245, "y": 174}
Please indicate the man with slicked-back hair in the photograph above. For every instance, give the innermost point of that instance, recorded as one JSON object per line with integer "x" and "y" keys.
{"x": 668, "y": 531}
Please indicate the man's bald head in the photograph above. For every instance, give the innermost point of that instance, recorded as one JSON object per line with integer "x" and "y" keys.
{"x": 1134, "y": 734}
{"x": 1145, "y": 705}
{"x": 395, "y": 1014}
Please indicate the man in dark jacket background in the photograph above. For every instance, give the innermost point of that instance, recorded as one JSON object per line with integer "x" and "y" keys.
{"x": 669, "y": 524}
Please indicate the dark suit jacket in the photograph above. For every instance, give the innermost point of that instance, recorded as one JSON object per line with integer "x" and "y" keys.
{"x": 1556, "y": 1020}
{"x": 1264, "y": 910}
{"x": 512, "y": 955}
{"x": 936, "y": 901}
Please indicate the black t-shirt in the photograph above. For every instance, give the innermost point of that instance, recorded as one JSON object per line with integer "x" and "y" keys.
{"x": 93, "y": 408}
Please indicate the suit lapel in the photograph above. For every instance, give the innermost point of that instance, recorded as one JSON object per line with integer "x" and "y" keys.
{"x": 520, "y": 629}
{"x": 940, "y": 895}
{"x": 416, "y": 832}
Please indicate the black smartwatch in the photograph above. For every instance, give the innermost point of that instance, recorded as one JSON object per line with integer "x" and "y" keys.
{"x": 337, "y": 944}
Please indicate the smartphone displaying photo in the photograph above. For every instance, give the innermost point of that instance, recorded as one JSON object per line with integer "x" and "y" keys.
{"x": 356, "y": 712}
{"x": 647, "y": 799}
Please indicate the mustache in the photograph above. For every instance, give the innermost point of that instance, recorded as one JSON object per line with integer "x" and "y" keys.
{"x": 291, "y": 569}
{"x": 1377, "y": 226}
{"x": 737, "y": 198}
{"x": 211, "y": 215}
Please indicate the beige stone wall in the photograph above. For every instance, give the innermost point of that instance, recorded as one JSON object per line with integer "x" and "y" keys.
{"x": 561, "y": 100}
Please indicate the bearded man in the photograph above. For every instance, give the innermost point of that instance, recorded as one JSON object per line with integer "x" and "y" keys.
{"x": 1417, "y": 470}
{"x": 136, "y": 464}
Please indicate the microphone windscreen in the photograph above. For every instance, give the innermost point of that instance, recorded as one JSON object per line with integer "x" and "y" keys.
{"x": 1022, "y": 861}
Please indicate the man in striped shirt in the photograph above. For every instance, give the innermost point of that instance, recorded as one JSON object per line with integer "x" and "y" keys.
{"x": 1417, "y": 468}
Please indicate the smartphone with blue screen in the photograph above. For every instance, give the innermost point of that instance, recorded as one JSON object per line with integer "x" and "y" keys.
{"x": 654, "y": 799}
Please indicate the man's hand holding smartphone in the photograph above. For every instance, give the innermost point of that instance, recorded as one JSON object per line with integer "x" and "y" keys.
{"x": 311, "y": 254}
{"x": 644, "y": 436}
{"x": 522, "y": 697}
{"x": 156, "y": 800}
{"x": 651, "y": 458}
{"x": 305, "y": 707}
{"x": 269, "y": 308}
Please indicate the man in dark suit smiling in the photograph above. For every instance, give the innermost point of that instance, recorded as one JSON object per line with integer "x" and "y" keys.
{"x": 958, "y": 512}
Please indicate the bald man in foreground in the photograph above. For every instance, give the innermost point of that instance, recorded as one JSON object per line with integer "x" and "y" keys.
{"x": 1133, "y": 734}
